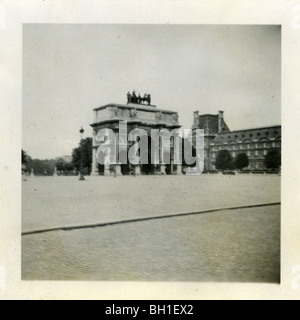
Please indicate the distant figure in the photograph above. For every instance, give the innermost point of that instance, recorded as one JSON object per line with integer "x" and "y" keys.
{"x": 133, "y": 97}
{"x": 139, "y": 99}
{"x": 128, "y": 97}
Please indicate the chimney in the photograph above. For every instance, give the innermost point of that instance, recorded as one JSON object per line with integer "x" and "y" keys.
{"x": 196, "y": 119}
{"x": 220, "y": 121}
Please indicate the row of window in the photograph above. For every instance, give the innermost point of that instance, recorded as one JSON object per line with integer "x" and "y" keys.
{"x": 255, "y": 165}
{"x": 256, "y": 153}
{"x": 247, "y": 146}
{"x": 251, "y": 135}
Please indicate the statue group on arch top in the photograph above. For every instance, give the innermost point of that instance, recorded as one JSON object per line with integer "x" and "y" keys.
{"x": 133, "y": 98}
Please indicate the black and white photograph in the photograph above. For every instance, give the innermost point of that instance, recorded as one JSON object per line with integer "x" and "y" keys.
{"x": 139, "y": 220}
{"x": 149, "y": 151}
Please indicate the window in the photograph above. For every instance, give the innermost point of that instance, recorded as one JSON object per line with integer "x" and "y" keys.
{"x": 273, "y": 144}
{"x": 250, "y": 135}
{"x": 248, "y": 153}
{"x": 256, "y": 153}
{"x": 265, "y": 152}
{"x": 233, "y": 154}
{"x": 258, "y": 134}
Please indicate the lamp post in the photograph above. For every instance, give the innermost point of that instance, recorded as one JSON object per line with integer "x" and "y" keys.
{"x": 81, "y": 177}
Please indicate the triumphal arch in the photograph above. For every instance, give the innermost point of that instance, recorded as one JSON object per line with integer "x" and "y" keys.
{"x": 137, "y": 113}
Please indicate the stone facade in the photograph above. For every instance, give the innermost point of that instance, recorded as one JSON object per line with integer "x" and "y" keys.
{"x": 137, "y": 116}
{"x": 254, "y": 142}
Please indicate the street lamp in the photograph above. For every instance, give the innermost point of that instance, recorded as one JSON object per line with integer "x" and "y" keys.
{"x": 81, "y": 177}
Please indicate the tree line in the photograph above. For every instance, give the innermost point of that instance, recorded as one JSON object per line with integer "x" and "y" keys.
{"x": 224, "y": 160}
{"x": 64, "y": 167}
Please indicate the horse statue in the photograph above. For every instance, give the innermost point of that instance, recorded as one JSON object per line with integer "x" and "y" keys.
{"x": 146, "y": 98}
{"x": 139, "y": 99}
{"x": 133, "y": 98}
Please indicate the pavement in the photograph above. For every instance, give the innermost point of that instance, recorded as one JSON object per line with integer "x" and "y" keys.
{"x": 56, "y": 202}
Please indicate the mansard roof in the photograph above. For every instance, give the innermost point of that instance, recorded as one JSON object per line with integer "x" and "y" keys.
{"x": 251, "y": 135}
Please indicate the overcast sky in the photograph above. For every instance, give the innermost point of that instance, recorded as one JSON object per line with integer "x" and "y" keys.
{"x": 70, "y": 69}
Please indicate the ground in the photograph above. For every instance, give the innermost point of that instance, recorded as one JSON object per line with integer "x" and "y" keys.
{"x": 229, "y": 245}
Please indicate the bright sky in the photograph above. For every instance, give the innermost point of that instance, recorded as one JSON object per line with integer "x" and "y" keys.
{"x": 70, "y": 69}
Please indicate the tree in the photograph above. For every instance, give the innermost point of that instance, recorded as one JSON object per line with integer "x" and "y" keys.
{"x": 273, "y": 160}
{"x": 25, "y": 157}
{"x": 241, "y": 161}
{"x": 224, "y": 160}
{"x": 69, "y": 167}
{"x": 84, "y": 150}
{"x": 60, "y": 164}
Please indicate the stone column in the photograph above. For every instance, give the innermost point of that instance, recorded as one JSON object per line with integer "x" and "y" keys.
{"x": 95, "y": 171}
{"x": 106, "y": 170}
{"x": 179, "y": 170}
{"x": 118, "y": 169}
{"x": 130, "y": 167}
{"x": 162, "y": 166}
{"x": 137, "y": 171}
{"x": 156, "y": 157}
{"x": 118, "y": 164}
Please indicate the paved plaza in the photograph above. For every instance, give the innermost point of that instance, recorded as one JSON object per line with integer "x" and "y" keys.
{"x": 49, "y": 202}
{"x": 229, "y": 245}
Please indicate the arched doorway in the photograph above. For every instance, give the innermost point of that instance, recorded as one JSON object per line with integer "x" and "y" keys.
{"x": 148, "y": 168}
{"x": 101, "y": 169}
{"x": 125, "y": 165}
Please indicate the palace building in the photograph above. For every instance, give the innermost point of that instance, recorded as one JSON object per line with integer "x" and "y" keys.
{"x": 138, "y": 113}
{"x": 255, "y": 143}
